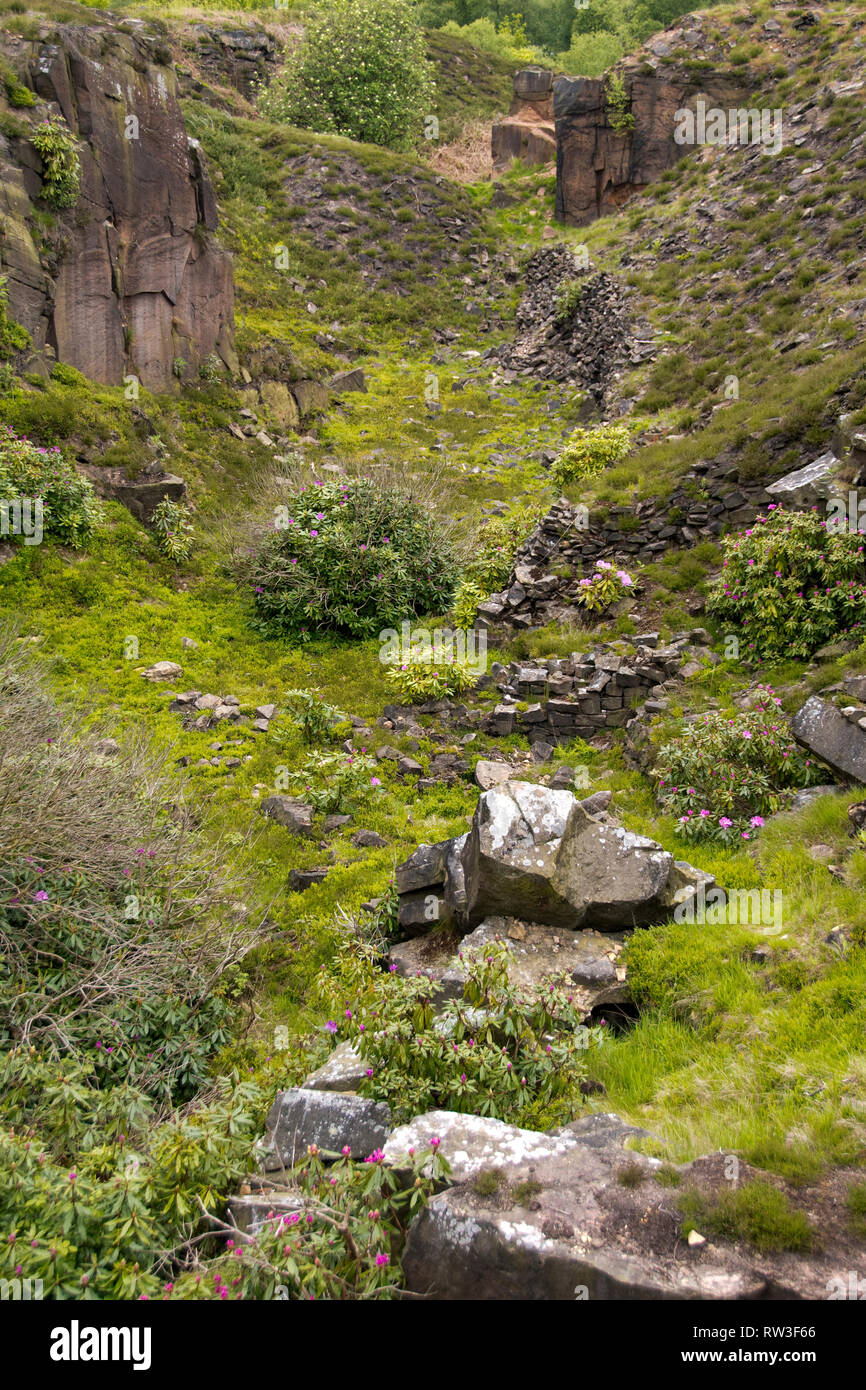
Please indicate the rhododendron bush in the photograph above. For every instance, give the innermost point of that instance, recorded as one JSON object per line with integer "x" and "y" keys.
{"x": 791, "y": 583}
{"x": 722, "y": 774}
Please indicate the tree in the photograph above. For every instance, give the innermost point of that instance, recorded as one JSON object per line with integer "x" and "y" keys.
{"x": 361, "y": 71}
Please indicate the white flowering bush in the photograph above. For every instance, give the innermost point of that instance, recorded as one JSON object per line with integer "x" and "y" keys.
{"x": 361, "y": 71}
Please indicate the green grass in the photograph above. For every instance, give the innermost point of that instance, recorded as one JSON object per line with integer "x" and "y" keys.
{"x": 755, "y": 1213}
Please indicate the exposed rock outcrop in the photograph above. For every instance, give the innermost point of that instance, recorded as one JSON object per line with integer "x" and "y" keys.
{"x": 606, "y": 150}
{"x": 527, "y": 132}
{"x": 134, "y": 283}
{"x": 541, "y": 855}
{"x": 835, "y": 736}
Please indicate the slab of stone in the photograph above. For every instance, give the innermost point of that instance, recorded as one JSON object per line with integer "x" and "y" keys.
{"x": 294, "y": 816}
{"x": 331, "y": 1120}
{"x": 824, "y": 730}
{"x": 343, "y": 1071}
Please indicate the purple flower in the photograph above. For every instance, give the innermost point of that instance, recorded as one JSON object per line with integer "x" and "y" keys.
{"x": 331, "y": 1026}
{"x": 41, "y": 896}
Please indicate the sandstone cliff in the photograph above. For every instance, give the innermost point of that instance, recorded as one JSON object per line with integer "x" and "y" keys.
{"x": 604, "y": 154}
{"x": 130, "y": 279}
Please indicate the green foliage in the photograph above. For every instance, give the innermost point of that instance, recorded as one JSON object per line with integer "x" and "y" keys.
{"x": 416, "y": 681}
{"x": 592, "y": 54}
{"x": 506, "y": 40}
{"x": 494, "y": 1052}
{"x": 722, "y": 774}
{"x": 567, "y": 300}
{"x": 494, "y": 545}
{"x": 589, "y": 451}
{"x": 756, "y": 1212}
{"x": 61, "y": 166}
{"x": 791, "y": 583}
{"x": 93, "y": 1224}
{"x": 361, "y": 71}
{"x": 617, "y": 104}
{"x": 333, "y": 782}
{"x": 172, "y": 525}
{"x": 352, "y": 557}
{"x": 604, "y": 587}
{"x": 13, "y": 338}
{"x": 342, "y": 1240}
{"x": 70, "y": 508}
{"x": 466, "y": 600}
{"x": 16, "y": 93}
{"x": 314, "y": 717}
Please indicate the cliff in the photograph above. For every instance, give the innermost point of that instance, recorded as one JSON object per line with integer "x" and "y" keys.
{"x": 129, "y": 280}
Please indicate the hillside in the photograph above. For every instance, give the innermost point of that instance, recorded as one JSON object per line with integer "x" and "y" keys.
{"x": 232, "y": 312}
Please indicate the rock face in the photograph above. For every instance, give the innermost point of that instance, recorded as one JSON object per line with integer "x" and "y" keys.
{"x": 328, "y": 1119}
{"x": 836, "y": 740}
{"x": 540, "y": 855}
{"x": 136, "y": 284}
{"x": 601, "y": 159}
{"x": 527, "y": 132}
{"x": 558, "y": 1225}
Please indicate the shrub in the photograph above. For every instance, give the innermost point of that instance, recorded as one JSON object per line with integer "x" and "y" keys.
{"x": 13, "y": 338}
{"x": 70, "y": 508}
{"x": 118, "y": 943}
{"x": 314, "y": 717}
{"x": 16, "y": 93}
{"x": 445, "y": 675}
{"x": 791, "y": 583}
{"x": 336, "y": 781}
{"x": 604, "y": 587}
{"x": 507, "y": 40}
{"x": 61, "y": 167}
{"x": 466, "y": 602}
{"x": 343, "y": 1240}
{"x": 172, "y": 525}
{"x": 589, "y": 451}
{"x": 723, "y": 774}
{"x": 494, "y": 545}
{"x": 494, "y": 1052}
{"x": 567, "y": 299}
{"x": 617, "y": 101}
{"x": 361, "y": 71}
{"x": 353, "y": 557}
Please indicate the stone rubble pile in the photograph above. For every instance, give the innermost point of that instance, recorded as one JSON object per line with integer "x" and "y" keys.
{"x": 587, "y": 348}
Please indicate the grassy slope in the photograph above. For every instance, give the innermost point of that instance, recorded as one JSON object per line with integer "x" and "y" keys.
{"x": 767, "y": 1060}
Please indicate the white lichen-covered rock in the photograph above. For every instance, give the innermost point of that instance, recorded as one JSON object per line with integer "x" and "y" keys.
{"x": 343, "y": 1071}
{"x": 473, "y": 1143}
{"x": 331, "y": 1120}
{"x": 809, "y": 485}
{"x": 543, "y": 856}
{"x": 824, "y": 730}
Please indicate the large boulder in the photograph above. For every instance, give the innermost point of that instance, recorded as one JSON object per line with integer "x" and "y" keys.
{"x": 586, "y": 1220}
{"x": 331, "y": 1120}
{"x": 541, "y": 855}
{"x": 473, "y": 1144}
{"x": 809, "y": 486}
{"x": 824, "y": 730}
